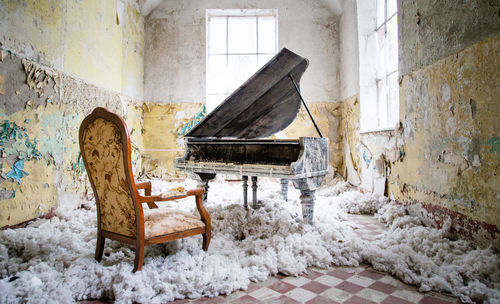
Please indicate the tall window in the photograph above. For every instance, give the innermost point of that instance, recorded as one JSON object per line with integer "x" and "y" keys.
{"x": 378, "y": 45}
{"x": 387, "y": 69}
{"x": 239, "y": 42}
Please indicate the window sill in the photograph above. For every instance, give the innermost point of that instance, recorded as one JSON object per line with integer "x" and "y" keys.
{"x": 380, "y": 130}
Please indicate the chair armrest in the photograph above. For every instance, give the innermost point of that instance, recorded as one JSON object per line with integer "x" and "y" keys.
{"x": 173, "y": 195}
{"x": 144, "y": 185}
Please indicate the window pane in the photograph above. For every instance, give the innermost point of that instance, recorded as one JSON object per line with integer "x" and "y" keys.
{"x": 267, "y": 34}
{"x": 217, "y": 32}
{"x": 381, "y": 56}
{"x": 213, "y": 101}
{"x": 382, "y": 103}
{"x": 380, "y": 12}
{"x": 393, "y": 106}
{"x": 242, "y": 35}
{"x": 240, "y": 67}
{"x": 392, "y": 6}
{"x": 263, "y": 59}
{"x": 217, "y": 74}
{"x": 392, "y": 41}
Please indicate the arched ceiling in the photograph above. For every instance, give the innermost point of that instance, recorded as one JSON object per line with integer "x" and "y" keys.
{"x": 147, "y": 6}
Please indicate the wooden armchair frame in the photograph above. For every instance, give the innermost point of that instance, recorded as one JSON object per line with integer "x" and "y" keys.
{"x": 140, "y": 240}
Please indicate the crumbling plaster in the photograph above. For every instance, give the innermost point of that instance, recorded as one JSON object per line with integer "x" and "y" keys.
{"x": 175, "y": 47}
{"x": 444, "y": 154}
{"x": 84, "y": 39}
{"x": 41, "y": 167}
{"x": 175, "y": 120}
{"x": 432, "y": 29}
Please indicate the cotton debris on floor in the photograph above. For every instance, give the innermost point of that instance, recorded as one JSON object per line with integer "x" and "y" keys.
{"x": 52, "y": 260}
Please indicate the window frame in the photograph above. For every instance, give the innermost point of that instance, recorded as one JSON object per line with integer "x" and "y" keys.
{"x": 229, "y": 13}
{"x": 379, "y": 73}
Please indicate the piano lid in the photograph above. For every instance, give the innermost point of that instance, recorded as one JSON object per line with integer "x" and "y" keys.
{"x": 265, "y": 104}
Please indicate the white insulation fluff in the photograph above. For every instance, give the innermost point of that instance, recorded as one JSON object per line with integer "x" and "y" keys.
{"x": 52, "y": 260}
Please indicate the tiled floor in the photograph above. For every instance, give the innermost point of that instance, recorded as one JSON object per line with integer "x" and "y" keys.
{"x": 334, "y": 285}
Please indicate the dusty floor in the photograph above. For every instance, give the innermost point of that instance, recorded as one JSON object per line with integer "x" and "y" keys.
{"x": 334, "y": 285}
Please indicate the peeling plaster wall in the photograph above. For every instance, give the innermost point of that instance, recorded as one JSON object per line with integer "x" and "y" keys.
{"x": 100, "y": 42}
{"x": 449, "y": 105}
{"x": 432, "y": 30}
{"x": 175, "y": 120}
{"x": 349, "y": 51}
{"x": 40, "y": 163}
{"x": 175, "y": 47}
{"x": 164, "y": 125}
{"x": 450, "y": 132}
{"x": 58, "y": 61}
{"x": 444, "y": 155}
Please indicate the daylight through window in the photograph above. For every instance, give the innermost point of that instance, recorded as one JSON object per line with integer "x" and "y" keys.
{"x": 239, "y": 42}
{"x": 387, "y": 64}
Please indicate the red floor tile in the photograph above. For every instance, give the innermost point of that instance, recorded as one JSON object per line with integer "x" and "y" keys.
{"x": 283, "y": 300}
{"x": 358, "y": 300}
{"x": 395, "y": 300}
{"x": 321, "y": 300}
{"x": 245, "y": 300}
{"x": 315, "y": 287}
{"x": 312, "y": 274}
{"x": 383, "y": 287}
{"x": 340, "y": 274}
{"x": 431, "y": 300}
{"x": 371, "y": 274}
{"x": 281, "y": 287}
{"x": 349, "y": 287}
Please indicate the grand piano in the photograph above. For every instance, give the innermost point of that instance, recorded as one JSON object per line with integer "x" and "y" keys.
{"x": 232, "y": 138}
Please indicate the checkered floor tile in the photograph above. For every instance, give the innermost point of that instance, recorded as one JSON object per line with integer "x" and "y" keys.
{"x": 336, "y": 284}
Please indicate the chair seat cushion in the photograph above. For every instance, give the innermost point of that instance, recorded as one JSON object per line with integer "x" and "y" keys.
{"x": 162, "y": 221}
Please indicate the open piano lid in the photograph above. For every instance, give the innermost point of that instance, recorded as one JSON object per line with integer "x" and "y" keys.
{"x": 265, "y": 104}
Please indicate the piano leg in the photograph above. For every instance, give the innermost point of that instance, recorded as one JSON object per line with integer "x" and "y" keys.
{"x": 203, "y": 179}
{"x": 307, "y": 187}
{"x": 284, "y": 189}
{"x": 254, "y": 191}
{"x": 245, "y": 191}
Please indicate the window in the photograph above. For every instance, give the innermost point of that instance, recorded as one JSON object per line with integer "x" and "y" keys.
{"x": 379, "y": 68}
{"x": 239, "y": 42}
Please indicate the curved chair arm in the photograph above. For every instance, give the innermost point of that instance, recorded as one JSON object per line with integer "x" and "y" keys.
{"x": 198, "y": 193}
{"x": 146, "y": 186}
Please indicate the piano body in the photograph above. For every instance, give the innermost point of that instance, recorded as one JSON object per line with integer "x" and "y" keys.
{"x": 229, "y": 140}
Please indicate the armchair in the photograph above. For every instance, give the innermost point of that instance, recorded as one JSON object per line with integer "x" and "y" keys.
{"x": 105, "y": 147}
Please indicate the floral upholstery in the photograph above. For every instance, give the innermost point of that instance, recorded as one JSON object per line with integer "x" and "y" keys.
{"x": 102, "y": 142}
{"x": 163, "y": 221}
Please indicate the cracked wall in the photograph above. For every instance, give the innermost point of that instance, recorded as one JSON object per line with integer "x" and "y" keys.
{"x": 100, "y": 42}
{"x": 58, "y": 61}
{"x": 176, "y": 48}
{"x": 40, "y": 161}
{"x": 444, "y": 154}
{"x": 450, "y": 132}
{"x": 176, "y": 119}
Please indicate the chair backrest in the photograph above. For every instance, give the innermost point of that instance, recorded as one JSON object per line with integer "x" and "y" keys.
{"x": 105, "y": 147}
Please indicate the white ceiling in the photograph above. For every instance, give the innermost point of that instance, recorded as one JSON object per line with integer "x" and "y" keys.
{"x": 147, "y": 6}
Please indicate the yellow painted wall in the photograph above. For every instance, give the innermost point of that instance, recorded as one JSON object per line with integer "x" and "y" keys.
{"x": 59, "y": 60}
{"x": 446, "y": 154}
{"x": 164, "y": 125}
{"x": 84, "y": 39}
{"x": 450, "y": 112}
{"x": 40, "y": 161}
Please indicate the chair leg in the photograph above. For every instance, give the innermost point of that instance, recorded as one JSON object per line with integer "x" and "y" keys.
{"x": 206, "y": 240}
{"x": 99, "y": 248}
{"x": 139, "y": 257}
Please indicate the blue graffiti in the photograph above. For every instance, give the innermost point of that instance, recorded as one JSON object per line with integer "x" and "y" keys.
{"x": 17, "y": 171}
{"x": 366, "y": 158}
{"x": 187, "y": 126}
